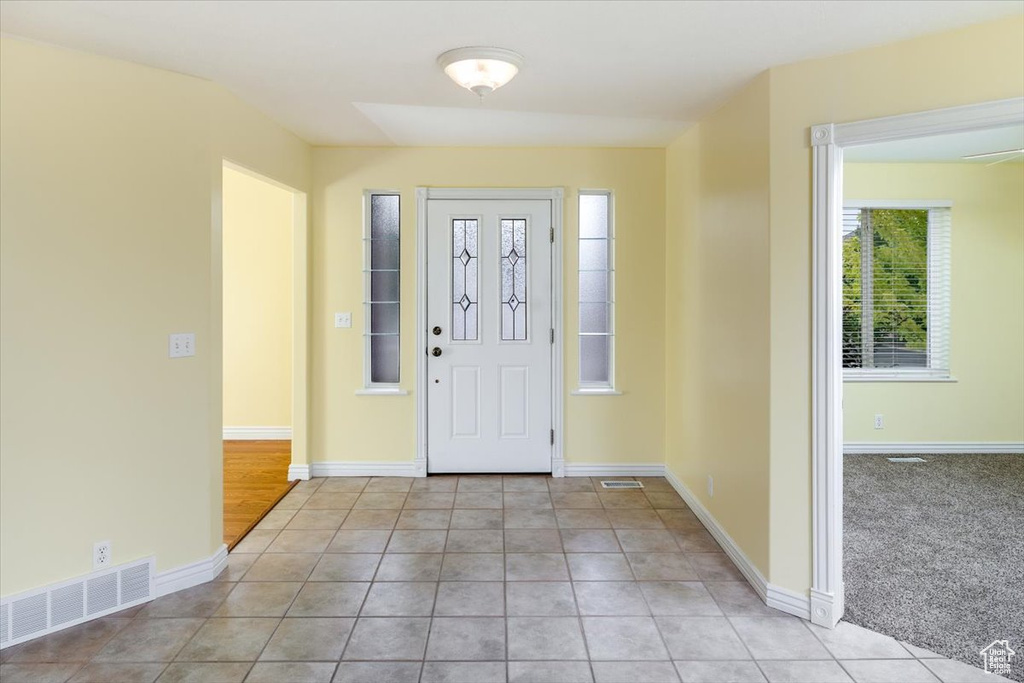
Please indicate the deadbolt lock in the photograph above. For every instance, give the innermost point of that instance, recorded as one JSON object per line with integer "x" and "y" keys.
{"x": 436, "y": 331}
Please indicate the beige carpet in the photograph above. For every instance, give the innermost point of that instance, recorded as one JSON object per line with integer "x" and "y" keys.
{"x": 934, "y": 553}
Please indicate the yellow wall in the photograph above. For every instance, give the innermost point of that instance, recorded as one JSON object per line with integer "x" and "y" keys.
{"x": 257, "y": 302}
{"x": 109, "y": 241}
{"x": 627, "y": 428}
{"x": 743, "y": 176}
{"x": 986, "y": 403}
{"x": 717, "y": 315}
{"x": 975, "y": 64}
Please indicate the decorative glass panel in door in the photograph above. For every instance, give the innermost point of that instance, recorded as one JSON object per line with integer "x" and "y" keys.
{"x": 465, "y": 290}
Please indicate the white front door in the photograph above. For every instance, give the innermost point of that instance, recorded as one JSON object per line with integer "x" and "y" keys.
{"x": 489, "y": 332}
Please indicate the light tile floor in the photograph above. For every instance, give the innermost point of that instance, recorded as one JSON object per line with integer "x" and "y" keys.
{"x": 472, "y": 579}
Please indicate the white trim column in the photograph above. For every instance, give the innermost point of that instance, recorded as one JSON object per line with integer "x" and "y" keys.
{"x": 422, "y": 194}
{"x": 827, "y": 381}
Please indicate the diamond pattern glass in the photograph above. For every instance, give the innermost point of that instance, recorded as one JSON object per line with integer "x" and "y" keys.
{"x": 513, "y": 279}
{"x": 465, "y": 293}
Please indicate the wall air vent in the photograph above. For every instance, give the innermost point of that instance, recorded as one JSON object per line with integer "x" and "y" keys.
{"x": 29, "y": 616}
{"x": 5, "y": 623}
{"x": 52, "y": 608}
{"x": 135, "y": 583}
{"x": 101, "y": 593}
{"x": 67, "y": 604}
{"x": 621, "y": 485}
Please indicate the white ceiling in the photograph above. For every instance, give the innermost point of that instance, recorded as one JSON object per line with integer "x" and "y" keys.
{"x": 596, "y": 73}
{"x": 951, "y": 147}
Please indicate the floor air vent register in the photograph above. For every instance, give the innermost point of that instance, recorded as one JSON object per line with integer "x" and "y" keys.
{"x": 621, "y": 485}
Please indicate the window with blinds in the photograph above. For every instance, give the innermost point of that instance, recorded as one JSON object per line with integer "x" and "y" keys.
{"x": 596, "y": 291}
{"x": 382, "y": 280}
{"x": 896, "y": 288}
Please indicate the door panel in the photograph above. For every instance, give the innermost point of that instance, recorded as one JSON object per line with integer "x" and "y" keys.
{"x": 465, "y": 402}
{"x": 515, "y": 402}
{"x": 489, "y": 368}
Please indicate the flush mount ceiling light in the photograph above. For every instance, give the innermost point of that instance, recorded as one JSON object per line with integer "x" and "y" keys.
{"x": 481, "y": 69}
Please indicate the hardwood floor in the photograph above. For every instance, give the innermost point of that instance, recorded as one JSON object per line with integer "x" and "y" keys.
{"x": 255, "y": 479}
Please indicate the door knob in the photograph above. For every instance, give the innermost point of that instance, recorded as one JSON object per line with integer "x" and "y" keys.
{"x": 436, "y": 331}
{"x": 436, "y": 351}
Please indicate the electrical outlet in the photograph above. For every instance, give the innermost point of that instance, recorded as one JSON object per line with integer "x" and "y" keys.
{"x": 711, "y": 486}
{"x": 100, "y": 554}
{"x": 879, "y": 421}
{"x": 343, "y": 320}
{"x": 181, "y": 345}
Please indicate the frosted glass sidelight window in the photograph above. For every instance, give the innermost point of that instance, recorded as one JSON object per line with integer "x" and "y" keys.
{"x": 465, "y": 289}
{"x": 513, "y": 279}
{"x": 382, "y": 287}
{"x": 596, "y": 296}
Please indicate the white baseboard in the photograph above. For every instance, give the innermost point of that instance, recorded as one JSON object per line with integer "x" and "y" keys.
{"x": 257, "y": 434}
{"x": 408, "y": 469}
{"x": 932, "y": 447}
{"x": 789, "y": 601}
{"x": 777, "y": 597}
{"x": 619, "y": 470}
{"x": 298, "y": 472}
{"x": 361, "y": 469}
{"x": 192, "y": 574}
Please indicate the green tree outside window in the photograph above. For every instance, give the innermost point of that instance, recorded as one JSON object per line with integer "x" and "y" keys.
{"x": 895, "y": 266}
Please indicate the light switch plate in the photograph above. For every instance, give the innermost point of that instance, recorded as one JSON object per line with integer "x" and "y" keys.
{"x": 343, "y": 320}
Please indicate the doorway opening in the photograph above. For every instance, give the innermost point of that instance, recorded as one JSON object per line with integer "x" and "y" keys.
{"x": 933, "y": 234}
{"x": 895, "y": 340}
{"x": 263, "y": 296}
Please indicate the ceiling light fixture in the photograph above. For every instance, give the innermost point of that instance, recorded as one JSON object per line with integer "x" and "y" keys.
{"x": 481, "y": 69}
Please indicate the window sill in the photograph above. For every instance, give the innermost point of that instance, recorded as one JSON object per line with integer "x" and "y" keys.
{"x": 897, "y": 377}
{"x": 603, "y": 391}
{"x": 382, "y": 391}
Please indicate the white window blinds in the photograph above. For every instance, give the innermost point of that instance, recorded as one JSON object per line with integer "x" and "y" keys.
{"x": 896, "y": 288}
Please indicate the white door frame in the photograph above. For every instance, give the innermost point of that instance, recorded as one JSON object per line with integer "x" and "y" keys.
{"x": 555, "y": 195}
{"x": 828, "y": 141}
